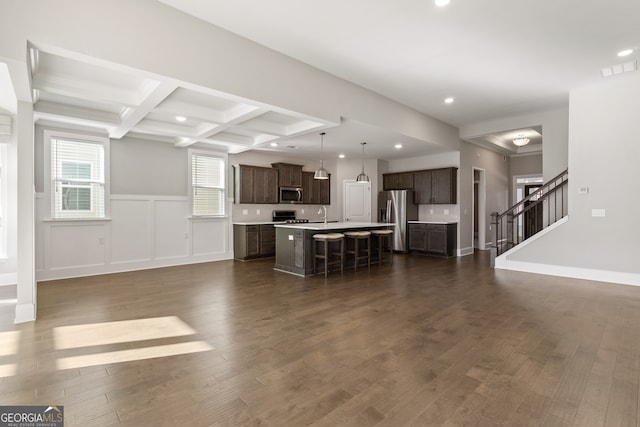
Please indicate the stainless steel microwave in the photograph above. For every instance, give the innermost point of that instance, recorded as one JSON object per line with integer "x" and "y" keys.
{"x": 290, "y": 195}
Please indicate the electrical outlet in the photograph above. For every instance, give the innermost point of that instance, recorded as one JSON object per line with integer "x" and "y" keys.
{"x": 446, "y": 211}
{"x": 245, "y": 211}
{"x": 290, "y": 236}
{"x": 302, "y": 210}
{"x": 101, "y": 240}
{"x": 257, "y": 211}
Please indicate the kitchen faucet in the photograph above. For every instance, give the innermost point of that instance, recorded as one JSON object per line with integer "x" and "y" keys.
{"x": 323, "y": 209}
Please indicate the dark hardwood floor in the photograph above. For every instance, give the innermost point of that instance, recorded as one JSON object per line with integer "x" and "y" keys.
{"x": 424, "y": 342}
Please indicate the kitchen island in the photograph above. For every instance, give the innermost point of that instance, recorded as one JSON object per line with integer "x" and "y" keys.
{"x": 294, "y": 243}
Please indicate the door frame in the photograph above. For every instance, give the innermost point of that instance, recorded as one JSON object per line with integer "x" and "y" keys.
{"x": 482, "y": 207}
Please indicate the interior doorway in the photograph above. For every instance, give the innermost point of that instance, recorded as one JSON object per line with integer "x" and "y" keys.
{"x": 479, "y": 209}
{"x": 357, "y": 201}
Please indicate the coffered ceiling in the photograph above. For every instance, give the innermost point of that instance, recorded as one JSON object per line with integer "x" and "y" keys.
{"x": 124, "y": 102}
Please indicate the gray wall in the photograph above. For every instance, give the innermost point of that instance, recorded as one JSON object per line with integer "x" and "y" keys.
{"x": 148, "y": 167}
{"x": 496, "y": 168}
{"x": 526, "y": 165}
{"x": 555, "y": 135}
{"x": 603, "y": 156}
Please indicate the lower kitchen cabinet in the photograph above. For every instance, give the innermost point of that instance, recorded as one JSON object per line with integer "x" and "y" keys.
{"x": 253, "y": 241}
{"x": 433, "y": 239}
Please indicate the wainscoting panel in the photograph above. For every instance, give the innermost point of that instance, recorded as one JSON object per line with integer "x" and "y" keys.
{"x": 76, "y": 245}
{"x": 142, "y": 232}
{"x": 171, "y": 229}
{"x": 209, "y": 236}
{"x": 131, "y": 230}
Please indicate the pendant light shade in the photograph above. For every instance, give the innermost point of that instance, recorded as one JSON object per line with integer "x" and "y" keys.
{"x": 363, "y": 177}
{"x": 322, "y": 172}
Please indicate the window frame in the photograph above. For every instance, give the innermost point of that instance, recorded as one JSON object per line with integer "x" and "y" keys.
{"x": 223, "y": 156}
{"x": 48, "y": 136}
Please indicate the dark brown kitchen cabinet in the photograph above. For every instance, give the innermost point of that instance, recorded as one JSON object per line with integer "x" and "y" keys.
{"x": 253, "y": 241}
{"x": 315, "y": 191}
{"x": 289, "y": 175}
{"x": 256, "y": 184}
{"x": 433, "y": 239}
{"x": 417, "y": 237}
{"x": 397, "y": 181}
{"x": 436, "y": 186}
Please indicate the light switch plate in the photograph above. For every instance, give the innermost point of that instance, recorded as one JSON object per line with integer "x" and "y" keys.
{"x": 583, "y": 190}
{"x": 598, "y": 212}
{"x": 245, "y": 211}
{"x": 290, "y": 236}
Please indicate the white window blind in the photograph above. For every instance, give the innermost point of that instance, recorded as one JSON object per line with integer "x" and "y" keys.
{"x": 77, "y": 178}
{"x": 207, "y": 184}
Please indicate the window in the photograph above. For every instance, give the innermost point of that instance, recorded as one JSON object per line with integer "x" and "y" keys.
{"x": 207, "y": 184}
{"x": 77, "y": 172}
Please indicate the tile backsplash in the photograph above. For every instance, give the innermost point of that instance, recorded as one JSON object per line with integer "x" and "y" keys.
{"x": 438, "y": 213}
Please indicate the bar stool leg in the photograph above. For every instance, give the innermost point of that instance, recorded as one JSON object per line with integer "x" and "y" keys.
{"x": 326, "y": 258}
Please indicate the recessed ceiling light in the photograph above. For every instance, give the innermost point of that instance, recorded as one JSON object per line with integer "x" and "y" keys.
{"x": 274, "y": 144}
{"x": 449, "y": 100}
{"x": 398, "y": 146}
{"x": 181, "y": 118}
{"x": 625, "y": 52}
{"x": 442, "y": 2}
{"x": 341, "y": 156}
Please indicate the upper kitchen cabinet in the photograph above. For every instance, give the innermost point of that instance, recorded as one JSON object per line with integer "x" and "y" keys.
{"x": 397, "y": 181}
{"x": 256, "y": 184}
{"x": 289, "y": 175}
{"x": 436, "y": 186}
{"x": 315, "y": 191}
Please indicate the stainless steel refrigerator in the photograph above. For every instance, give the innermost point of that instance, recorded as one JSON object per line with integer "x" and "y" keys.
{"x": 398, "y": 206}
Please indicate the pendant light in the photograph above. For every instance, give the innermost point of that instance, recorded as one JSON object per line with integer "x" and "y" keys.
{"x": 322, "y": 172}
{"x": 363, "y": 177}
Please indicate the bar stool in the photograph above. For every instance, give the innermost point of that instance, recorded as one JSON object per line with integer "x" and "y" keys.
{"x": 384, "y": 237}
{"x": 326, "y": 240}
{"x": 359, "y": 236}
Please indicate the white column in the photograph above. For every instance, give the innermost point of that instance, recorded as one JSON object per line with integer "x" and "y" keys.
{"x": 26, "y": 307}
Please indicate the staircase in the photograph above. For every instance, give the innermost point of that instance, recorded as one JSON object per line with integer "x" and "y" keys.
{"x": 531, "y": 215}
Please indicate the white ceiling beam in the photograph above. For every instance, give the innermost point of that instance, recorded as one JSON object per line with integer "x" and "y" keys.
{"x": 54, "y": 110}
{"x": 156, "y": 92}
{"x": 75, "y": 88}
{"x": 241, "y": 118}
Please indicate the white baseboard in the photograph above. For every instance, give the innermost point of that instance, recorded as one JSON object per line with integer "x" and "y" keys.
{"x": 121, "y": 267}
{"x": 465, "y": 251}
{"x": 25, "y": 313}
{"x": 572, "y": 272}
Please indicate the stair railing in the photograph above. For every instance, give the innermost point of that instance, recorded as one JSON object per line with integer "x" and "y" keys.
{"x": 532, "y": 214}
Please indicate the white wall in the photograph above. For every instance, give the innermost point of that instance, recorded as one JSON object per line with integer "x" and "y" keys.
{"x": 9, "y": 227}
{"x": 149, "y": 226}
{"x": 603, "y": 156}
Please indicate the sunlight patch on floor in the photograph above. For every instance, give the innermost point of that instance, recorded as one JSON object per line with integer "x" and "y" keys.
{"x": 118, "y": 332}
{"x": 84, "y": 361}
{"x": 9, "y": 342}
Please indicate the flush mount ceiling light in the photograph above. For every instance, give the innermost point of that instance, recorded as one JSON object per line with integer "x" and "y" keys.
{"x": 341, "y": 156}
{"x": 363, "y": 177}
{"x": 521, "y": 141}
{"x": 449, "y": 100}
{"x": 274, "y": 144}
{"x": 322, "y": 172}
{"x": 625, "y": 52}
{"x": 181, "y": 118}
{"x": 398, "y": 146}
{"x": 442, "y": 2}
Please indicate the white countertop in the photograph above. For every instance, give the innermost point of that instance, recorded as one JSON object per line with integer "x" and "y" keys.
{"x": 334, "y": 225}
{"x": 257, "y": 223}
{"x": 432, "y": 222}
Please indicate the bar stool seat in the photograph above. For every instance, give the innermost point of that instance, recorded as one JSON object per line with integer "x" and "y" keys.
{"x": 383, "y": 235}
{"x": 326, "y": 255}
{"x": 359, "y": 252}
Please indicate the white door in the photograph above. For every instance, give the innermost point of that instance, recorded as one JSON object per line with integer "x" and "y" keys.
{"x": 357, "y": 201}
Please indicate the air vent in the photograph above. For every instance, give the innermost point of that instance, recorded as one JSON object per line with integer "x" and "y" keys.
{"x": 293, "y": 147}
{"x": 613, "y": 70}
